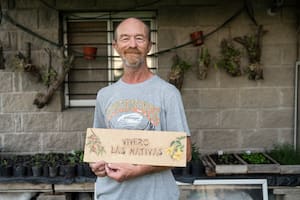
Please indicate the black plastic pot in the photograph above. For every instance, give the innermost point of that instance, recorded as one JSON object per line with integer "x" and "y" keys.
{"x": 177, "y": 171}
{"x": 197, "y": 168}
{"x": 80, "y": 169}
{"x": 53, "y": 171}
{"x": 6, "y": 171}
{"x": 45, "y": 171}
{"x": 37, "y": 171}
{"x": 70, "y": 171}
{"x": 19, "y": 170}
{"x": 187, "y": 170}
{"x": 87, "y": 170}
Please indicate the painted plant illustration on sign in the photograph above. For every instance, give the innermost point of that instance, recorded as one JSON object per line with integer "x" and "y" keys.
{"x": 94, "y": 144}
{"x": 175, "y": 150}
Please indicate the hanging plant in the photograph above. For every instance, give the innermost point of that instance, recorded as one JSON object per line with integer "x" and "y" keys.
{"x": 230, "y": 58}
{"x": 54, "y": 81}
{"x": 203, "y": 64}
{"x": 178, "y": 69}
{"x": 252, "y": 44}
{"x": 23, "y": 63}
{"x": 47, "y": 75}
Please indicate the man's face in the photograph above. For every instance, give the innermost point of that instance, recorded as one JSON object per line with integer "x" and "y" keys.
{"x": 132, "y": 42}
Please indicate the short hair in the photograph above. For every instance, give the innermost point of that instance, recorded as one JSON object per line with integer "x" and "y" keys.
{"x": 148, "y": 31}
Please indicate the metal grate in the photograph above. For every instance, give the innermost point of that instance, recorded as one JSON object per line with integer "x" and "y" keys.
{"x": 88, "y": 76}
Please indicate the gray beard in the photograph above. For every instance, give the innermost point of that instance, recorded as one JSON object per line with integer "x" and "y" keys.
{"x": 133, "y": 65}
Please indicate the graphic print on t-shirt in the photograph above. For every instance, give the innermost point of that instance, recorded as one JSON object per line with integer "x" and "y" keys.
{"x": 132, "y": 114}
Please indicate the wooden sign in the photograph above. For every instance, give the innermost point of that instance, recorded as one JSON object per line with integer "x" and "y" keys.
{"x": 156, "y": 148}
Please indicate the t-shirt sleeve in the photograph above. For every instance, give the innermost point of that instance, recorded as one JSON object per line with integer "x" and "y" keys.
{"x": 99, "y": 120}
{"x": 175, "y": 114}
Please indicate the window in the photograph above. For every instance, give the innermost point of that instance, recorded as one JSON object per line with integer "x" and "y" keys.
{"x": 87, "y": 76}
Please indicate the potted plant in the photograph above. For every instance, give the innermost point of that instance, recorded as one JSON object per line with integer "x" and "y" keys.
{"x": 69, "y": 165}
{"x": 203, "y": 64}
{"x": 80, "y": 163}
{"x": 52, "y": 160}
{"x": 230, "y": 58}
{"x": 5, "y": 167}
{"x": 36, "y": 165}
{"x": 252, "y": 44}
{"x": 178, "y": 69}
{"x": 19, "y": 168}
{"x": 196, "y": 162}
{"x": 197, "y": 38}
{"x": 89, "y": 52}
{"x": 288, "y": 157}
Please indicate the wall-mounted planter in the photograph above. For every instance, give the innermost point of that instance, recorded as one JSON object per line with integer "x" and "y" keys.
{"x": 197, "y": 38}
{"x": 89, "y": 53}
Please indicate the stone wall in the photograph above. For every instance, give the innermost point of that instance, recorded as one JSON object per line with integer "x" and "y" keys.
{"x": 223, "y": 112}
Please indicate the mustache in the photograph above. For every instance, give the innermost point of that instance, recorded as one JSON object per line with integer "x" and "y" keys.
{"x": 130, "y": 50}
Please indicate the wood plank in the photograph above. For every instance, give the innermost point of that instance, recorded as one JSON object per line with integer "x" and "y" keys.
{"x": 156, "y": 148}
{"x": 75, "y": 187}
{"x": 25, "y": 187}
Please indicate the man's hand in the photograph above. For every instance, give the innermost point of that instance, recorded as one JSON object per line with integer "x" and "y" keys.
{"x": 99, "y": 168}
{"x": 121, "y": 171}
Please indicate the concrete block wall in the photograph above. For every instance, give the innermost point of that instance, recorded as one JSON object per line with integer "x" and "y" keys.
{"x": 223, "y": 112}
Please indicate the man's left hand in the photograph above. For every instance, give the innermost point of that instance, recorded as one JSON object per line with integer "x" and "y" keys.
{"x": 121, "y": 171}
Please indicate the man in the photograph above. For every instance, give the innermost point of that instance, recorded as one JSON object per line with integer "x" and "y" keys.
{"x": 140, "y": 100}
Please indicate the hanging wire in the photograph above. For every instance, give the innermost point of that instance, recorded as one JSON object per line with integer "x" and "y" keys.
{"x": 12, "y": 21}
{"x": 245, "y": 7}
{"x": 106, "y": 14}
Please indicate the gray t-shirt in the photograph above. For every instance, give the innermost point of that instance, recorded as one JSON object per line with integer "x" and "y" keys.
{"x": 151, "y": 105}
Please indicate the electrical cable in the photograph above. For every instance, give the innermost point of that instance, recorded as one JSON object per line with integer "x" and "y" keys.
{"x": 204, "y": 36}
{"x": 8, "y": 18}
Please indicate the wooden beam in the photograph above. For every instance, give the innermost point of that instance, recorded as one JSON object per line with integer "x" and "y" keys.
{"x": 25, "y": 187}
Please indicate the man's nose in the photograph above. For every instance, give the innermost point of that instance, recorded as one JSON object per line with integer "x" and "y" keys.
{"x": 132, "y": 42}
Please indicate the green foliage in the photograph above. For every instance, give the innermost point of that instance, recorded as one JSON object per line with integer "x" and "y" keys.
{"x": 4, "y": 162}
{"x": 230, "y": 58}
{"x": 285, "y": 154}
{"x": 180, "y": 65}
{"x": 37, "y": 159}
{"x": 255, "y": 158}
{"x": 204, "y": 58}
{"x": 50, "y": 77}
{"x": 79, "y": 155}
{"x": 195, "y": 152}
{"x": 71, "y": 159}
{"x": 228, "y": 159}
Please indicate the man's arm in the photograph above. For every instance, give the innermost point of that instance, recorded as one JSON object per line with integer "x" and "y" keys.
{"x": 122, "y": 172}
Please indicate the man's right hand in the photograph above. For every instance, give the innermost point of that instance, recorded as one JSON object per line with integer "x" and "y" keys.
{"x": 98, "y": 168}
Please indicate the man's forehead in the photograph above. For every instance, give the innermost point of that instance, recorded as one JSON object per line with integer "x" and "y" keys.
{"x": 132, "y": 25}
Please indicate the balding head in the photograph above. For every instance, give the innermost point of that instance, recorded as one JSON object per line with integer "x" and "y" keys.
{"x": 131, "y": 22}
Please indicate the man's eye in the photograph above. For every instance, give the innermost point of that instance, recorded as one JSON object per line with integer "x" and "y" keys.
{"x": 124, "y": 39}
{"x": 140, "y": 39}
